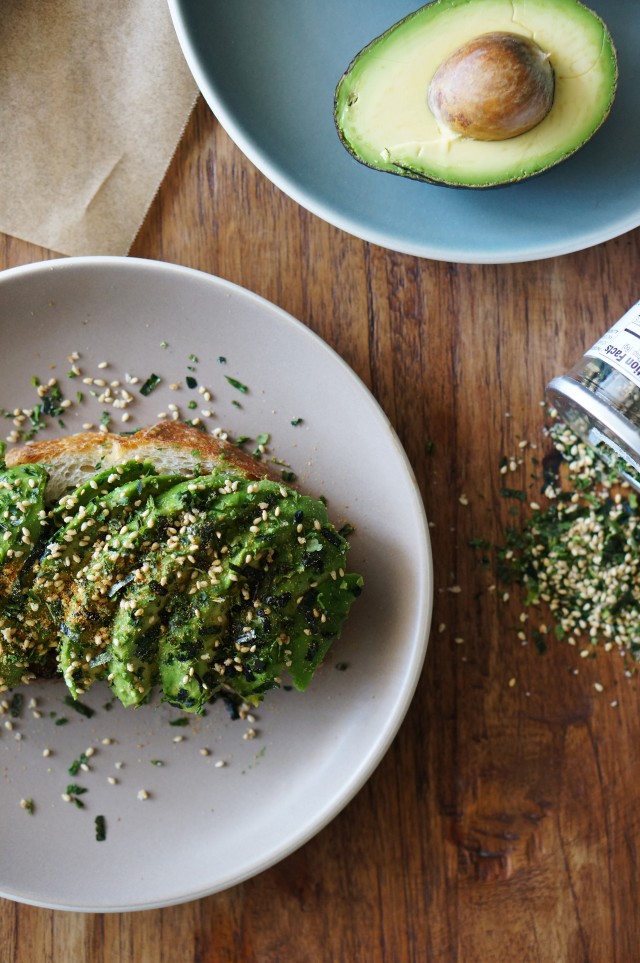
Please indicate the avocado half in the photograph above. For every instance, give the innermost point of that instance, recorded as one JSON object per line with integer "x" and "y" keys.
{"x": 381, "y": 105}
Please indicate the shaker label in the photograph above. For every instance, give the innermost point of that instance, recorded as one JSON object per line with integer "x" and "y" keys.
{"x": 620, "y": 346}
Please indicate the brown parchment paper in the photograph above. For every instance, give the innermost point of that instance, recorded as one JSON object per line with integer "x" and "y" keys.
{"x": 94, "y": 95}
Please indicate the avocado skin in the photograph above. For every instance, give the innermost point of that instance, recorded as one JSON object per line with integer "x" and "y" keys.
{"x": 441, "y": 177}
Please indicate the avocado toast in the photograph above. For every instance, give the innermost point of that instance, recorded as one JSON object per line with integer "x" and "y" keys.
{"x": 167, "y": 559}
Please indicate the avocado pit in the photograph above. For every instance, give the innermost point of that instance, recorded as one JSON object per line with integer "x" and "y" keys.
{"x": 494, "y": 87}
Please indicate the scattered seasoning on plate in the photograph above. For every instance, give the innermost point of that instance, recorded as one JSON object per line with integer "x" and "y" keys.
{"x": 150, "y": 384}
{"x": 16, "y": 704}
{"x": 79, "y": 707}
{"x": 237, "y": 384}
{"x": 77, "y": 764}
{"x": 74, "y": 790}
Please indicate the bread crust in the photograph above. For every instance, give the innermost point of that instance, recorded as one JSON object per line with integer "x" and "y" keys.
{"x": 107, "y": 449}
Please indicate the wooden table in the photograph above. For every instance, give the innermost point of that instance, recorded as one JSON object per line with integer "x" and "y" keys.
{"x": 504, "y": 823}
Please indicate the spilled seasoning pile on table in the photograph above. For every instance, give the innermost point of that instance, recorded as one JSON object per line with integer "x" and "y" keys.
{"x": 577, "y": 557}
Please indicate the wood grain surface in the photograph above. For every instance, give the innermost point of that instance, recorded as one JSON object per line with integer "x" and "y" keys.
{"x": 504, "y": 822}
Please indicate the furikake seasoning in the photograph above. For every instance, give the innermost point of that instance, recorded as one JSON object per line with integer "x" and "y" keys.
{"x": 577, "y": 557}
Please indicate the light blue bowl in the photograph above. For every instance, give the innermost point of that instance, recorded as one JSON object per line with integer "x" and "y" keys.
{"x": 268, "y": 70}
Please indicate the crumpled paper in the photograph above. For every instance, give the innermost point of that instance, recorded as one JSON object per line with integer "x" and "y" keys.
{"x": 94, "y": 96}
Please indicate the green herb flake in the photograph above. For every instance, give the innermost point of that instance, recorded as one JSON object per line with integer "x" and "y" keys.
{"x": 157, "y": 762}
{"x": 79, "y": 707}
{"x": 288, "y": 476}
{"x": 237, "y": 384}
{"x": 51, "y": 401}
{"x": 62, "y": 721}
{"x": 516, "y": 493}
{"x": 76, "y": 765}
{"x": 192, "y": 404}
{"x": 28, "y": 805}
{"x": 16, "y": 705}
{"x": 80, "y": 397}
{"x": 150, "y": 384}
{"x": 263, "y": 439}
{"x": 164, "y": 344}
{"x": 74, "y": 790}
{"x": 101, "y": 829}
{"x": 193, "y": 358}
{"x": 222, "y": 359}
{"x": 182, "y": 721}
{"x": 191, "y": 382}
{"x": 105, "y": 419}
{"x": 297, "y": 421}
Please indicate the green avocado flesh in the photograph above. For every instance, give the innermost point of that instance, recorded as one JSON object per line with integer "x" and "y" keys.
{"x": 381, "y": 105}
{"x": 199, "y": 586}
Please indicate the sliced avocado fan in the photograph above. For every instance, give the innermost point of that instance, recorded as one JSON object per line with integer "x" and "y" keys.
{"x": 198, "y": 586}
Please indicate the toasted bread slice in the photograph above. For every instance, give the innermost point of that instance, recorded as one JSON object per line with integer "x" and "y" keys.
{"x": 172, "y": 447}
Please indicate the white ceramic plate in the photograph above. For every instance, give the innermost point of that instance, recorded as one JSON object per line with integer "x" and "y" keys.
{"x": 269, "y": 71}
{"x": 203, "y": 827}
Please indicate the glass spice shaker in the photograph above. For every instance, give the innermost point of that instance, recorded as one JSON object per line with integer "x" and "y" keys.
{"x": 599, "y": 399}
